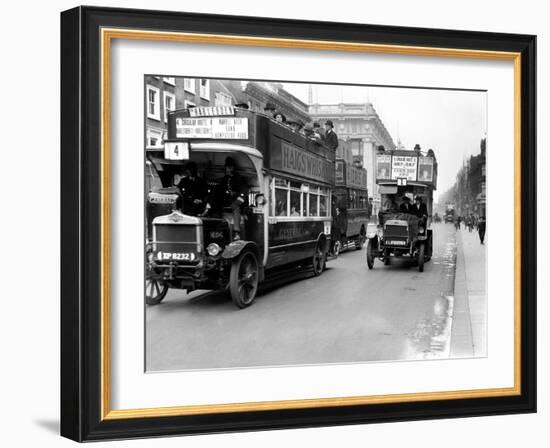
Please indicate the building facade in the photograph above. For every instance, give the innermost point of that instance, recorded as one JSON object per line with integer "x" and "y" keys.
{"x": 258, "y": 94}
{"x": 160, "y": 98}
{"x": 468, "y": 194}
{"x": 361, "y": 127}
{"x": 163, "y": 94}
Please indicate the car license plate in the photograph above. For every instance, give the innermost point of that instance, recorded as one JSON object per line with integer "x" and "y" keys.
{"x": 396, "y": 243}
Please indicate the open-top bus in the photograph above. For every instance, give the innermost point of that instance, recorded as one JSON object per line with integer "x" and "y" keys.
{"x": 403, "y": 176}
{"x": 286, "y": 217}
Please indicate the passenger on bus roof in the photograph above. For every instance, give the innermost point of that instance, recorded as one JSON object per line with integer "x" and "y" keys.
{"x": 331, "y": 139}
{"x": 194, "y": 190}
{"x": 269, "y": 109}
{"x": 295, "y": 125}
{"x": 318, "y": 133}
{"x": 279, "y": 117}
{"x": 230, "y": 192}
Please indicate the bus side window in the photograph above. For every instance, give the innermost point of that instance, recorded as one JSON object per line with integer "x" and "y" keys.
{"x": 313, "y": 209}
{"x": 323, "y": 209}
{"x": 281, "y": 202}
{"x": 295, "y": 202}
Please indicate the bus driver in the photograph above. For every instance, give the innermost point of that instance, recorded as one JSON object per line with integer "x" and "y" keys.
{"x": 230, "y": 192}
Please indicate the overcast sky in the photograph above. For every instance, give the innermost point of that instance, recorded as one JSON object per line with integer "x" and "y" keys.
{"x": 452, "y": 123}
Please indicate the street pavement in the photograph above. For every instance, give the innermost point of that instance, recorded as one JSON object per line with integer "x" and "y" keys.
{"x": 348, "y": 314}
{"x": 469, "y": 330}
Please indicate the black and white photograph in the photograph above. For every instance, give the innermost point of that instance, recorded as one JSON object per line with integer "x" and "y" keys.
{"x": 295, "y": 224}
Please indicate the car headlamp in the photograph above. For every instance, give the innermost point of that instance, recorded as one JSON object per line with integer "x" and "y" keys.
{"x": 213, "y": 249}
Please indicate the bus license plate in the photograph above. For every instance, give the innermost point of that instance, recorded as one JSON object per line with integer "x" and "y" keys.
{"x": 166, "y": 256}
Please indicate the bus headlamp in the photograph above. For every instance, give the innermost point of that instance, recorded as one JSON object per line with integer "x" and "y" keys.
{"x": 213, "y": 249}
{"x": 260, "y": 200}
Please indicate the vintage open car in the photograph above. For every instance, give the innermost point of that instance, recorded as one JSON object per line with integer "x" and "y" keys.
{"x": 400, "y": 235}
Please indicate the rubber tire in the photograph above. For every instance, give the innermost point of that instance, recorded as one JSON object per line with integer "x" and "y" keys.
{"x": 315, "y": 266}
{"x": 370, "y": 255}
{"x": 337, "y": 249}
{"x": 421, "y": 250}
{"x": 360, "y": 242}
{"x": 162, "y": 291}
{"x": 234, "y": 280}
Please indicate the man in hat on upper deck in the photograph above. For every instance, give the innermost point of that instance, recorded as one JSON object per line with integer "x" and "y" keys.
{"x": 331, "y": 139}
{"x": 269, "y": 109}
{"x": 318, "y": 133}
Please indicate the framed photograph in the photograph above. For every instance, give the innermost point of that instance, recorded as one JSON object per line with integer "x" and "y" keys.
{"x": 277, "y": 224}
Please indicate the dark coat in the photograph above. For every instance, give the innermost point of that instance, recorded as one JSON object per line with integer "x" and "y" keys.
{"x": 192, "y": 189}
{"x": 406, "y": 207}
{"x": 331, "y": 140}
{"x": 420, "y": 211}
{"x": 226, "y": 192}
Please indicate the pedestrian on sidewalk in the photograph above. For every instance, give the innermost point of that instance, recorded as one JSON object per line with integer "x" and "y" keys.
{"x": 481, "y": 226}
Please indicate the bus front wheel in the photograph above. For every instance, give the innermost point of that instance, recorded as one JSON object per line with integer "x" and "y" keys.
{"x": 244, "y": 279}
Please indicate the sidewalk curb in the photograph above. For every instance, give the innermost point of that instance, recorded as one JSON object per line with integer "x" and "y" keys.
{"x": 462, "y": 345}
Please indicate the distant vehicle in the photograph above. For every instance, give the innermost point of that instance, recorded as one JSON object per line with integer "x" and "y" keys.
{"x": 403, "y": 234}
{"x": 286, "y": 218}
{"x": 449, "y": 215}
{"x": 351, "y": 210}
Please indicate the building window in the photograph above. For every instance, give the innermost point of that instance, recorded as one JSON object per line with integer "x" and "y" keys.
{"x": 154, "y": 138}
{"x": 222, "y": 99}
{"x": 169, "y": 104}
{"x": 187, "y": 104}
{"x": 189, "y": 85}
{"x": 153, "y": 103}
{"x": 204, "y": 89}
{"x": 169, "y": 80}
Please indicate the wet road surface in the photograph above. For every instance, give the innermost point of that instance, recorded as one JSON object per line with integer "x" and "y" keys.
{"x": 348, "y": 314}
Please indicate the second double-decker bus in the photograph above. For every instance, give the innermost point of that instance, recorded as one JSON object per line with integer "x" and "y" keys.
{"x": 285, "y": 214}
{"x": 351, "y": 210}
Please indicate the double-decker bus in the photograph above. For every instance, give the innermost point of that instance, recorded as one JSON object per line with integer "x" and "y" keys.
{"x": 286, "y": 217}
{"x": 404, "y": 177}
{"x": 351, "y": 211}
